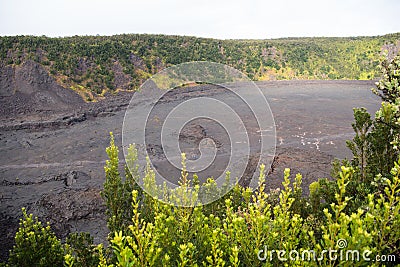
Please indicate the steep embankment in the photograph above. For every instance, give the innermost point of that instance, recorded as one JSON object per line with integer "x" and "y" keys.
{"x": 30, "y": 98}
{"x": 28, "y": 88}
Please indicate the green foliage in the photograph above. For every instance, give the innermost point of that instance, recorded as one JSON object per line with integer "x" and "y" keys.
{"x": 117, "y": 193}
{"x": 359, "y": 144}
{"x": 140, "y": 247}
{"x": 81, "y": 251}
{"x": 388, "y": 87}
{"x": 35, "y": 245}
{"x": 184, "y": 236}
{"x": 195, "y": 236}
{"x": 247, "y": 230}
{"x": 386, "y": 214}
{"x": 383, "y": 139}
{"x": 386, "y": 129}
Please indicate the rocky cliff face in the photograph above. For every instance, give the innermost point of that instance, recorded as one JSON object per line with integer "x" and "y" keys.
{"x": 28, "y": 88}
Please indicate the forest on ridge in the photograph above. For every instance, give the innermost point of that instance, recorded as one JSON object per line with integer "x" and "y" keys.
{"x": 93, "y": 65}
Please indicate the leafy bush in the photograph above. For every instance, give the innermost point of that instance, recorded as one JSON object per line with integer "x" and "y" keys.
{"x": 185, "y": 236}
{"x": 117, "y": 193}
{"x": 35, "y": 245}
{"x": 81, "y": 250}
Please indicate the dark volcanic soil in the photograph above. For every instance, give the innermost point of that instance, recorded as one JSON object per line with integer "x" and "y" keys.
{"x": 53, "y": 144}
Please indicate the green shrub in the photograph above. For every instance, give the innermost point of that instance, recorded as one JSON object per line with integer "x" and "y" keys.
{"x": 117, "y": 193}
{"x": 81, "y": 249}
{"x": 35, "y": 245}
{"x": 184, "y": 236}
{"x": 241, "y": 235}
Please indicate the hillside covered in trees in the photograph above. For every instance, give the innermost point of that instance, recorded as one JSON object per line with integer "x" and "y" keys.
{"x": 93, "y": 65}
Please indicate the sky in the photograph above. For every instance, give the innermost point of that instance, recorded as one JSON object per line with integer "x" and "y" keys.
{"x": 221, "y": 19}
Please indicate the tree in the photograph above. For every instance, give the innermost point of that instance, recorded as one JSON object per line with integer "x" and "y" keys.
{"x": 386, "y": 127}
{"x": 359, "y": 144}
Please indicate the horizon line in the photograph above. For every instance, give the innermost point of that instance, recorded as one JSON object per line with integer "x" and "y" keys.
{"x": 193, "y": 36}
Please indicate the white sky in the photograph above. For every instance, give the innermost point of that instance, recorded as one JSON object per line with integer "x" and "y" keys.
{"x": 223, "y": 19}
